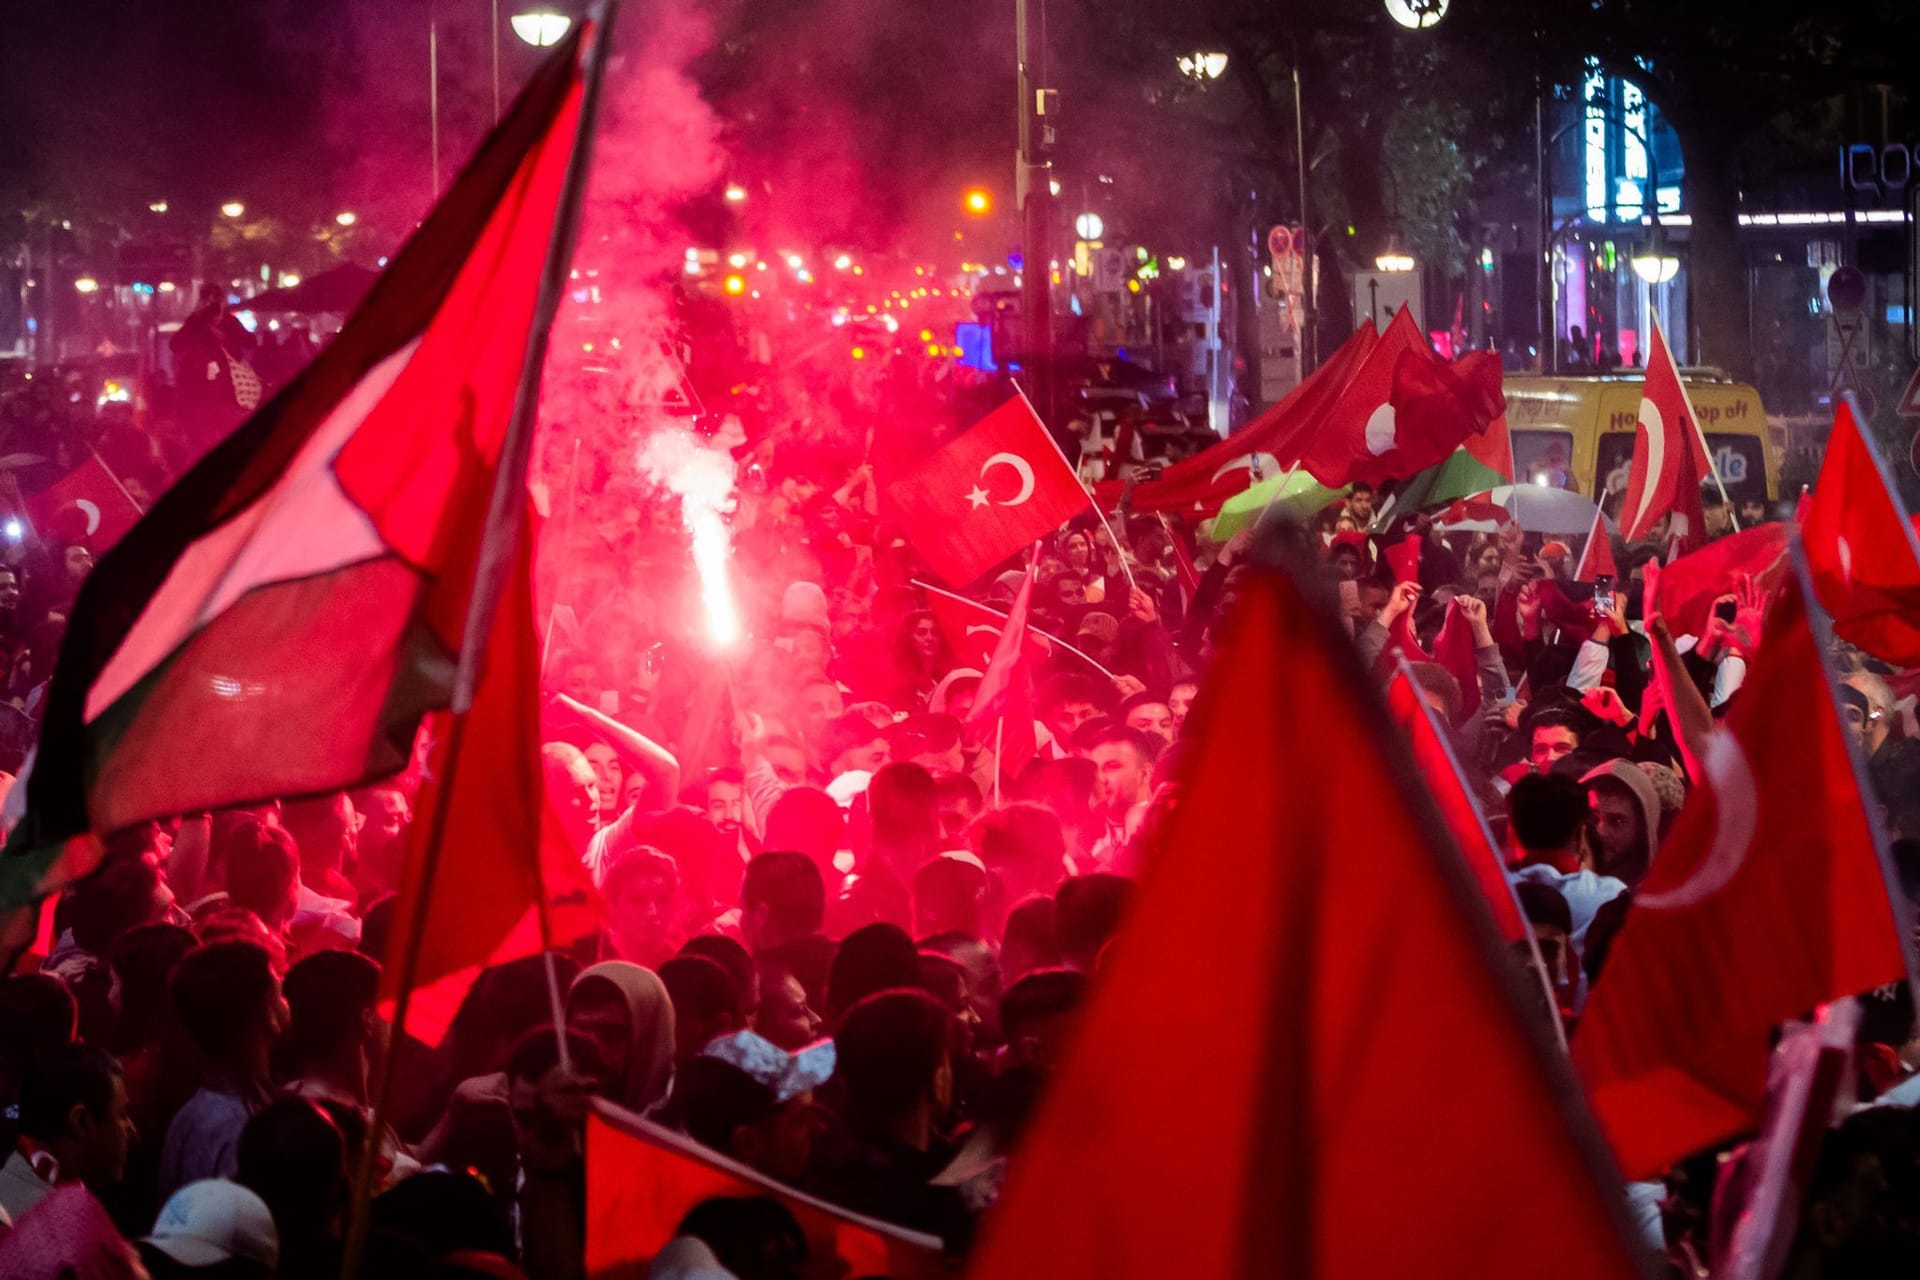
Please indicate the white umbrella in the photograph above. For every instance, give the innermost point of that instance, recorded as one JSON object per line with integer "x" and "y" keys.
{"x": 1538, "y": 509}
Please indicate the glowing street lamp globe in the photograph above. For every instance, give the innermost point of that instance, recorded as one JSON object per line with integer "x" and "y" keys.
{"x": 1202, "y": 66}
{"x": 1417, "y": 15}
{"x": 541, "y": 28}
{"x": 1656, "y": 268}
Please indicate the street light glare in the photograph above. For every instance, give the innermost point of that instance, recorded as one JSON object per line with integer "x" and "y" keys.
{"x": 1203, "y": 66}
{"x": 1417, "y": 15}
{"x": 736, "y": 193}
{"x": 86, "y": 284}
{"x": 978, "y": 201}
{"x": 1656, "y": 268}
{"x": 233, "y": 208}
{"x": 158, "y": 206}
{"x": 1395, "y": 262}
{"x": 541, "y": 28}
{"x": 346, "y": 218}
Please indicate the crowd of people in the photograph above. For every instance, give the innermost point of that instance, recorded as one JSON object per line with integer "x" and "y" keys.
{"x": 843, "y": 943}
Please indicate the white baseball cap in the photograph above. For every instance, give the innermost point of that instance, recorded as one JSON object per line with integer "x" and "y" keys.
{"x": 208, "y": 1222}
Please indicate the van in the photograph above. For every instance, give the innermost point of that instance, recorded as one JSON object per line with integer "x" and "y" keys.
{"x": 1574, "y": 433}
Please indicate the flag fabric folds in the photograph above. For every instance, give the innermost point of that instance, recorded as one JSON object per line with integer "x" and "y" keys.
{"x": 972, "y": 629}
{"x": 987, "y": 493}
{"x": 642, "y": 1180}
{"x": 1005, "y": 697}
{"x": 1597, "y": 557}
{"x": 1767, "y": 899}
{"x": 1690, "y": 585}
{"x": 1288, "y": 1153}
{"x": 281, "y": 620}
{"x": 1862, "y": 549}
{"x": 1404, "y": 410}
{"x": 1433, "y": 757}
{"x": 1669, "y": 461}
{"x": 1195, "y": 487}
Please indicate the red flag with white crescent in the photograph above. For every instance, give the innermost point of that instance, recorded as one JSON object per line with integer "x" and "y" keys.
{"x": 1767, "y": 899}
{"x": 987, "y": 493}
{"x": 1862, "y": 548}
{"x": 1669, "y": 457}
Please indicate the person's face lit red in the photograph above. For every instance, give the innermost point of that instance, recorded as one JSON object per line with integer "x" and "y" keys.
{"x": 784, "y": 1016}
{"x": 789, "y": 764}
{"x": 640, "y": 918}
{"x": 598, "y": 1013}
{"x": 1552, "y": 742}
{"x": 1180, "y": 701}
{"x": 1119, "y": 777}
{"x": 606, "y": 775}
{"x": 926, "y": 638}
{"x": 1078, "y": 551}
{"x": 725, "y": 808}
{"x": 1152, "y": 717}
{"x": 872, "y": 757}
{"x": 1069, "y": 717}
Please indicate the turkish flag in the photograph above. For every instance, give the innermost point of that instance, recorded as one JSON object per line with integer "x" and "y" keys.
{"x": 1596, "y": 557}
{"x": 1861, "y": 548}
{"x": 1198, "y": 485}
{"x": 1006, "y": 689}
{"x": 1289, "y": 1151}
{"x": 1669, "y": 456}
{"x": 1767, "y": 899}
{"x": 973, "y": 630}
{"x": 1404, "y": 410}
{"x": 987, "y": 493}
{"x": 1690, "y": 585}
{"x": 1434, "y": 759}
{"x": 642, "y": 1180}
{"x": 87, "y": 505}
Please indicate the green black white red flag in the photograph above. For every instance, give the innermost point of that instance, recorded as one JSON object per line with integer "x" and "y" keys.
{"x": 282, "y": 619}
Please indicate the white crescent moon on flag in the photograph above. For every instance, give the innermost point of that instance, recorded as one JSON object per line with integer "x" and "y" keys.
{"x": 979, "y": 627}
{"x": 1020, "y": 466}
{"x": 1382, "y": 424}
{"x": 92, "y": 511}
{"x": 1656, "y": 428}
{"x": 1736, "y": 818}
{"x": 1264, "y": 463}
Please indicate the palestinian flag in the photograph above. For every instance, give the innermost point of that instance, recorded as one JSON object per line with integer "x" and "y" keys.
{"x": 1484, "y": 462}
{"x": 282, "y": 619}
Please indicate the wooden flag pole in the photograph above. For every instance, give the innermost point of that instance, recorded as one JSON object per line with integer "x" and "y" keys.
{"x": 498, "y": 547}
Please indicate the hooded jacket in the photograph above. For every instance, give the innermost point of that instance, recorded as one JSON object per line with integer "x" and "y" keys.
{"x": 1628, "y": 775}
{"x": 649, "y": 1027}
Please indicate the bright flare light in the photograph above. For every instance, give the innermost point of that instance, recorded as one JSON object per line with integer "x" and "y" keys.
{"x": 703, "y": 478}
{"x": 977, "y": 201}
{"x": 736, "y": 286}
{"x": 736, "y": 193}
{"x": 842, "y": 262}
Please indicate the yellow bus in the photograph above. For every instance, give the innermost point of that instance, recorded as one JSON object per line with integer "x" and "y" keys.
{"x": 1575, "y": 433}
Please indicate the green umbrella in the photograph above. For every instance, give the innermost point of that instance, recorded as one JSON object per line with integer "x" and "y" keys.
{"x": 1294, "y": 495}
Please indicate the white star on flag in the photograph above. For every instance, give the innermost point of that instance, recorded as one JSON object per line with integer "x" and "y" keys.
{"x": 977, "y": 496}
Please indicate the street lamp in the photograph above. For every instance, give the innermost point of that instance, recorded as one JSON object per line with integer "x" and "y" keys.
{"x": 541, "y": 28}
{"x": 1089, "y": 226}
{"x": 1394, "y": 258}
{"x": 1417, "y": 15}
{"x": 158, "y": 206}
{"x": 346, "y": 217}
{"x": 233, "y": 208}
{"x": 86, "y": 284}
{"x": 1203, "y": 66}
{"x": 1654, "y": 265}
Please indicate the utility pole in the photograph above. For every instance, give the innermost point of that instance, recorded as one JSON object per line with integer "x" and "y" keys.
{"x": 1032, "y": 186}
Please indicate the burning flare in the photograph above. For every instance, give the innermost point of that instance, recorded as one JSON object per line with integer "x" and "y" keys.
{"x": 703, "y": 478}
